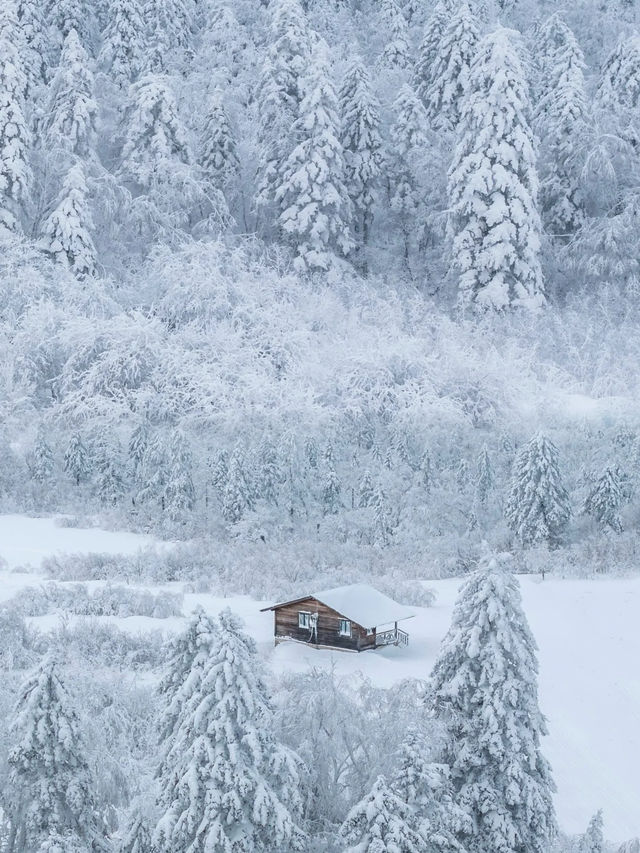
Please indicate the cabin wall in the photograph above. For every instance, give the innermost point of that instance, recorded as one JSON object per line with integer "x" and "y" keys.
{"x": 286, "y": 626}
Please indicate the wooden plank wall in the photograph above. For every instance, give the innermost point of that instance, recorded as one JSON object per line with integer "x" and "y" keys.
{"x": 286, "y": 625}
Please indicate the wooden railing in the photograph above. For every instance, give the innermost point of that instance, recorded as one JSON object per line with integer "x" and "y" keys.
{"x": 394, "y": 637}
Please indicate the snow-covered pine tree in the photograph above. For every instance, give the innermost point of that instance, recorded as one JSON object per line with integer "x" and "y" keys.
{"x": 331, "y": 490}
{"x": 179, "y": 491}
{"x": 561, "y": 124}
{"x": 280, "y": 94}
{"x": 218, "y": 156}
{"x": 228, "y": 784}
{"x": 268, "y": 475}
{"x": 365, "y": 490}
{"x": 619, "y": 84}
{"x": 381, "y": 529}
{"x": 405, "y": 166}
{"x": 593, "y": 839}
{"x": 76, "y": 459}
{"x": 42, "y": 463}
{"x": 70, "y": 120}
{"x": 605, "y": 499}
{"x": 423, "y": 73}
{"x": 50, "y": 796}
{"x": 537, "y": 508}
{"x": 493, "y": 185}
{"x": 154, "y": 472}
{"x": 109, "y": 475}
{"x": 155, "y": 145}
{"x": 137, "y": 837}
{"x": 380, "y": 822}
{"x": 397, "y": 51}
{"x": 452, "y": 69}
{"x": 315, "y": 210}
{"x": 138, "y": 443}
{"x": 168, "y": 34}
{"x": 237, "y": 496}
{"x": 68, "y": 15}
{"x": 31, "y": 20}
{"x": 66, "y": 232}
{"x": 361, "y": 144}
{"x": 484, "y": 476}
{"x": 492, "y": 722}
{"x": 15, "y": 138}
{"x": 121, "y": 55}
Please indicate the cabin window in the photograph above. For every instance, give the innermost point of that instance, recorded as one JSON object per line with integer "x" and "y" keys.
{"x": 370, "y": 632}
{"x": 304, "y": 619}
{"x": 345, "y": 628}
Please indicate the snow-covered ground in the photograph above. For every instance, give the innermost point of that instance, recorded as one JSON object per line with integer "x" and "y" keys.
{"x": 588, "y": 632}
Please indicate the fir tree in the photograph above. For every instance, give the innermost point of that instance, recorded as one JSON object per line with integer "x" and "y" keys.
{"x": 137, "y": 838}
{"x": 593, "y": 839}
{"x": 313, "y": 199}
{"x": 42, "y": 461}
{"x": 179, "y": 490}
{"x": 361, "y": 144}
{"x": 484, "y": 476}
{"x": 109, "y": 479}
{"x": 381, "y": 522}
{"x": 537, "y": 508}
{"x": 66, "y": 232}
{"x": 168, "y": 33}
{"x": 218, "y": 155}
{"x": 365, "y": 490}
{"x": 51, "y": 795}
{"x": 220, "y": 470}
{"x": 76, "y": 459}
{"x": 484, "y": 692}
{"x": 228, "y": 784}
{"x": 605, "y": 499}
{"x": 70, "y": 123}
{"x": 68, "y": 15}
{"x": 31, "y": 19}
{"x": 331, "y": 490}
{"x": 619, "y": 85}
{"x": 427, "y": 474}
{"x": 493, "y": 185}
{"x": 138, "y": 443}
{"x": 268, "y": 473}
{"x": 155, "y": 141}
{"x": 396, "y": 51}
{"x": 154, "y": 473}
{"x": 15, "y": 139}
{"x": 122, "y": 50}
{"x": 380, "y": 823}
{"x": 424, "y": 71}
{"x": 451, "y": 70}
{"x": 237, "y": 497}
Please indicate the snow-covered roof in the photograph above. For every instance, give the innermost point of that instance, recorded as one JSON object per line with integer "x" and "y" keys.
{"x": 360, "y": 603}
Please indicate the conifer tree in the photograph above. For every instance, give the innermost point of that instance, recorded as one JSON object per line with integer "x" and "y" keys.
{"x": 218, "y": 155}
{"x": 168, "y": 33}
{"x": 314, "y": 204}
{"x": 381, "y": 522}
{"x": 68, "y": 15}
{"x": 365, "y": 490}
{"x": 76, "y": 459}
{"x": 123, "y": 41}
{"x": 70, "y": 122}
{"x": 15, "y": 138}
{"x": 492, "y": 722}
{"x": 42, "y": 461}
{"x": 220, "y": 470}
{"x": 179, "y": 491}
{"x": 228, "y": 784}
{"x": 405, "y": 165}
{"x": 51, "y": 792}
{"x": 484, "y": 476}
{"x": 537, "y": 508}
{"x": 493, "y": 186}
{"x": 451, "y": 70}
{"x": 331, "y": 490}
{"x": 138, "y": 443}
{"x": 137, "y": 838}
{"x": 268, "y": 474}
{"x": 593, "y": 839}
{"x": 619, "y": 85}
{"x": 154, "y": 472}
{"x": 31, "y": 20}
{"x": 396, "y": 52}
{"x": 155, "y": 144}
{"x": 605, "y": 499}
{"x": 361, "y": 144}
{"x": 109, "y": 479}
{"x": 380, "y": 822}
{"x": 561, "y": 122}
{"x": 424, "y": 71}
{"x": 237, "y": 497}
{"x": 66, "y": 232}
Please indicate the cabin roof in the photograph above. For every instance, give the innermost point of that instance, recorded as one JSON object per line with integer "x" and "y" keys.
{"x": 358, "y": 602}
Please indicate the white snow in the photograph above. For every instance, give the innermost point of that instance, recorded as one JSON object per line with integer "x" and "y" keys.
{"x": 364, "y": 605}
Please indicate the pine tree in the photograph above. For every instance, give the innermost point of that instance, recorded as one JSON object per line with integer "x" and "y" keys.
{"x": 381, "y": 522}
{"x": 50, "y": 797}
{"x": 484, "y": 476}
{"x": 605, "y": 499}
{"x": 15, "y": 139}
{"x": 218, "y": 155}
{"x": 484, "y": 692}
{"x": 619, "y": 85}
{"x": 168, "y": 33}
{"x": 70, "y": 123}
{"x": 137, "y": 838}
{"x": 561, "y": 122}
{"x": 122, "y": 50}
{"x": 31, "y": 20}
{"x": 451, "y": 70}
{"x": 427, "y": 474}
{"x": 397, "y": 51}
{"x": 380, "y": 823}
{"x": 268, "y": 472}
{"x": 42, "y": 461}
{"x": 237, "y": 497}
{"x": 331, "y": 490}
{"x": 179, "y": 491}
{"x": 361, "y": 144}
{"x": 66, "y": 232}
{"x": 537, "y": 508}
{"x": 365, "y": 490}
{"x": 405, "y": 165}
{"x": 68, "y": 15}
{"x": 281, "y": 93}
{"x": 155, "y": 142}
{"x": 228, "y": 784}
{"x": 109, "y": 479}
{"x": 154, "y": 472}
{"x": 493, "y": 185}
{"x": 424, "y": 71}
{"x": 593, "y": 839}
{"x": 313, "y": 199}
{"x": 220, "y": 470}
{"x": 138, "y": 443}
{"x": 76, "y": 459}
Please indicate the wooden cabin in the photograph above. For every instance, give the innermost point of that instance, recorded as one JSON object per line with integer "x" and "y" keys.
{"x": 352, "y": 618}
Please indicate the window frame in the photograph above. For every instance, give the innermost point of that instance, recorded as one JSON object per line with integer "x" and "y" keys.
{"x": 306, "y": 623}
{"x": 348, "y": 632}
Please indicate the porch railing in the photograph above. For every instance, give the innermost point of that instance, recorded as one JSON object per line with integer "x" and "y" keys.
{"x": 394, "y": 637}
